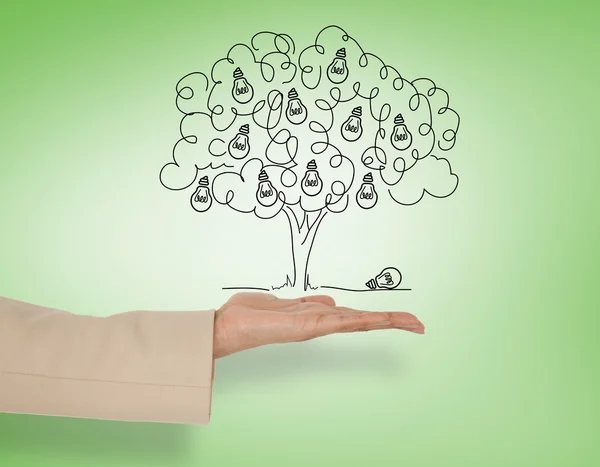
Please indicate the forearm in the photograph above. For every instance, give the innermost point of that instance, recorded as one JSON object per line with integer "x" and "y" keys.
{"x": 136, "y": 366}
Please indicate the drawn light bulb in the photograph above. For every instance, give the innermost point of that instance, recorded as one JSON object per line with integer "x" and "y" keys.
{"x": 389, "y": 278}
{"x": 401, "y": 138}
{"x": 201, "y": 199}
{"x": 337, "y": 71}
{"x": 296, "y": 112}
{"x": 242, "y": 91}
{"x": 352, "y": 128}
{"x": 312, "y": 183}
{"x": 366, "y": 197}
{"x": 239, "y": 146}
{"x": 266, "y": 194}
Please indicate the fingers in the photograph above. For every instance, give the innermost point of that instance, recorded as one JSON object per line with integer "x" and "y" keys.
{"x": 343, "y": 321}
{"x": 270, "y": 301}
{"x": 291, "y": 303}
{"x": 323, "y": 299}
{"x": 408, "y": 321}
{"x": 251, "y": 297}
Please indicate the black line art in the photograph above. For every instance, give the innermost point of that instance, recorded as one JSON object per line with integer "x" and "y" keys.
{"x": 301, "y": 134}
{"x": 359, "y": 290}
{"x": 337, "y": 72}
{"x": 296, "y": 111}
{"x": 239, "y": 146}
{"x": 266, "y": 194}
{"x": 366, "y": 197}
{"x": 246, "y": 288}
{"x": 201, "y": 199}
{"x": 389, "y": 278}
{"x": 401, "y": 138}
{"x": 352, "y": 128}
{"x": 242, "y": 91}
{"x": 312, "y": 183}
{"x": 386, "y": 281}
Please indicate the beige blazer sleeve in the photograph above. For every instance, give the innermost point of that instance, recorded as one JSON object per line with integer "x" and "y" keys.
{"x": 146, "y": 366}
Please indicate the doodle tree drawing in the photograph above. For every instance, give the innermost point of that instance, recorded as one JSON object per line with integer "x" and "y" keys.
{"x": 302, "y": 134}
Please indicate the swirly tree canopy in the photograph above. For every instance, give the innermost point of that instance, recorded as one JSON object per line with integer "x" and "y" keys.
{"x": 308, "y": 131}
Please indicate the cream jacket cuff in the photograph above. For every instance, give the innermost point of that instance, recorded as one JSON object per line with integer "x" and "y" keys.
{"x": 139, "y": 366}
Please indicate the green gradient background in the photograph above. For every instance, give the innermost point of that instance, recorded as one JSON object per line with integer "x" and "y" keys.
{"x": 504, "y": 272}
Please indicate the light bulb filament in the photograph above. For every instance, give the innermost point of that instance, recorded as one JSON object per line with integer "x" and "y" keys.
{"x": 352, "y": 128}
{"x": 239, "y": 145}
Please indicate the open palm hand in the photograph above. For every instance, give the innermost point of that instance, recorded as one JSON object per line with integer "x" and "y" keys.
{"x": 250, "y": 320}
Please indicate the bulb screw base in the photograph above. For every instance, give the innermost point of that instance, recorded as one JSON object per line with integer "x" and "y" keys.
{"x": 293, "y": 94}
{"x": 263, "y": 177}
{"x": 244, "y": 129}
{"x": 237, "y": 73}
{"x": 341, "y": 53}
{"x": 203, "y": 181}
{"x": 312, "y": 165}
{"x": 398, "y": 120}
{"x": 357, "y": 112}
{"x": 372, "y": 284}
{"x": 368, "y": 178}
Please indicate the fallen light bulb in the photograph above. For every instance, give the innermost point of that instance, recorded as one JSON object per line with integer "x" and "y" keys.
{"x": 352, "y": 128}
{"x": 239, "y": 146}
{"x": 201, "y": 199}
{"x": 311, "y": 183}
{"x": 296, "y": 112}
{"x": 337, "y": 71}
{"x": 389, "y": 278}
{"x": 242, "y": 91}
{"x": 366, "y": 197}
{"x": 266, "y": 194}
{"x": 401, "y": 138}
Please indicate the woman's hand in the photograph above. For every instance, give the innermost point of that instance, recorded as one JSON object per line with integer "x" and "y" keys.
{"x": 250, "y": 320}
